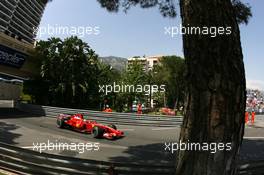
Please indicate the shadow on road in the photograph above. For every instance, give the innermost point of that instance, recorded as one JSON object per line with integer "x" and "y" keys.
{"x": 7, "y": 113}
{"x": 252, "y": 150}
{"x": 152, "y": 154}
{"x": 6, "y": 134}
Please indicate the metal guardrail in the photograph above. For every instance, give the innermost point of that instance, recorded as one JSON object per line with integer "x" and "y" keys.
{"x": 32, "y": 162}
{"x": 114, "y": 117}
{"x": 252, "y": 168}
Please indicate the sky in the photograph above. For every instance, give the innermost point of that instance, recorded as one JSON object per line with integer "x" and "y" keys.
{"x": 142, "y": 32}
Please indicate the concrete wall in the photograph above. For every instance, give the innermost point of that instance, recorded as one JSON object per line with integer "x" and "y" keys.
{"x": 9, "y": 91}
{"x": 7, "y": 104}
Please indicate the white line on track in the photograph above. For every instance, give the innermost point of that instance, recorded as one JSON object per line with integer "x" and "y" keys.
{"x": 253, "y": 137}
{"x": 113, "y": 146}
{"x": 46, "y": 147}
{"x": 126, "y": 129}
{"x": 159, "y": 129}
{"x": 28, "y": 147}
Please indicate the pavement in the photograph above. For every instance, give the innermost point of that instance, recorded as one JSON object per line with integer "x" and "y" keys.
{"x": 142, "y": 144}
{"x": 253, "y": 144}
{"x": 258, "y": 123}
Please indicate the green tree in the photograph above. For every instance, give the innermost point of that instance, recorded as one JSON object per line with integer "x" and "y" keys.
{"x": 134, "y": 75}
{"x": 216, "y": 91}
{"x": 107, "y": 76}
{"x": 170, "y": 72}
{"x": 70, "y": 70}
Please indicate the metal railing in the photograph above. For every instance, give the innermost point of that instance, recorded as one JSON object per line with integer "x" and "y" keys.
{"x": 113, "y": 117}
{"x": 32, "y": 162}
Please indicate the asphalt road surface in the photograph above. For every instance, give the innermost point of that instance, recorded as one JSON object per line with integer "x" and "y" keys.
{"x": 141, "y": 144}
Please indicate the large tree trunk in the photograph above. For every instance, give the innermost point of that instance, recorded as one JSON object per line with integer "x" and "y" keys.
{"x": 215, "y": 102}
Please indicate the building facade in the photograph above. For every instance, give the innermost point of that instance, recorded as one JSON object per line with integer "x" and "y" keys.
{"x": 19, "y": 18}
{"x": 18, "y": 21}
{"x": 147, "y": 62}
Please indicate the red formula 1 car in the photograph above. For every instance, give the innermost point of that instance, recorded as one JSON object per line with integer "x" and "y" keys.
{"x": 168, "y": 111}
{"x": 80, "y": 123}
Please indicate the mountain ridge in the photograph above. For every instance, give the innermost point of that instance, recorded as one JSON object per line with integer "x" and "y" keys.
{"x": 116, "y": 62}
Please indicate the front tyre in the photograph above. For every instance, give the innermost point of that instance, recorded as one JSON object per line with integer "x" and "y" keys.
{"x": 97, "y": 132}
{"x": 60, "y": 123}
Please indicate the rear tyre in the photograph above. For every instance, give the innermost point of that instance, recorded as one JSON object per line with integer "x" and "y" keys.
{"x": 112, "y": 126}
{"x": 98, "y": 132}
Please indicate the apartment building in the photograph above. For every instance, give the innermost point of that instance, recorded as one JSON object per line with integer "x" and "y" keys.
{"x": 19, "y": 18}
{"x": 147, "y": 62}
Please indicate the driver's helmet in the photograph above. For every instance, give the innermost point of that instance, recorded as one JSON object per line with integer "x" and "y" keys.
{"x": 107, "y": 106}
{"x": 79, "y": 116}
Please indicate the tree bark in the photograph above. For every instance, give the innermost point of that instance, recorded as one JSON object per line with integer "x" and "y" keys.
{"x": 216, "y": 91}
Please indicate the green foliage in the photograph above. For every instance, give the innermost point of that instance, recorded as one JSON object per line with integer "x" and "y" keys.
{"x": 107, "y": 76}
{"x": 171, "y": 73}
{"x": 69, "y": 74}
{"x": 134, "y": 75}
{"x": 243, "y": 11}
{"x": 168, "y": 7}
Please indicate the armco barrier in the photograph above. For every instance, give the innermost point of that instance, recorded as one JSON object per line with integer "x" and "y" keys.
{"x": 32, "y": 162}
{"x": 114, "y": 117}
{"x": 252, "y": 168}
